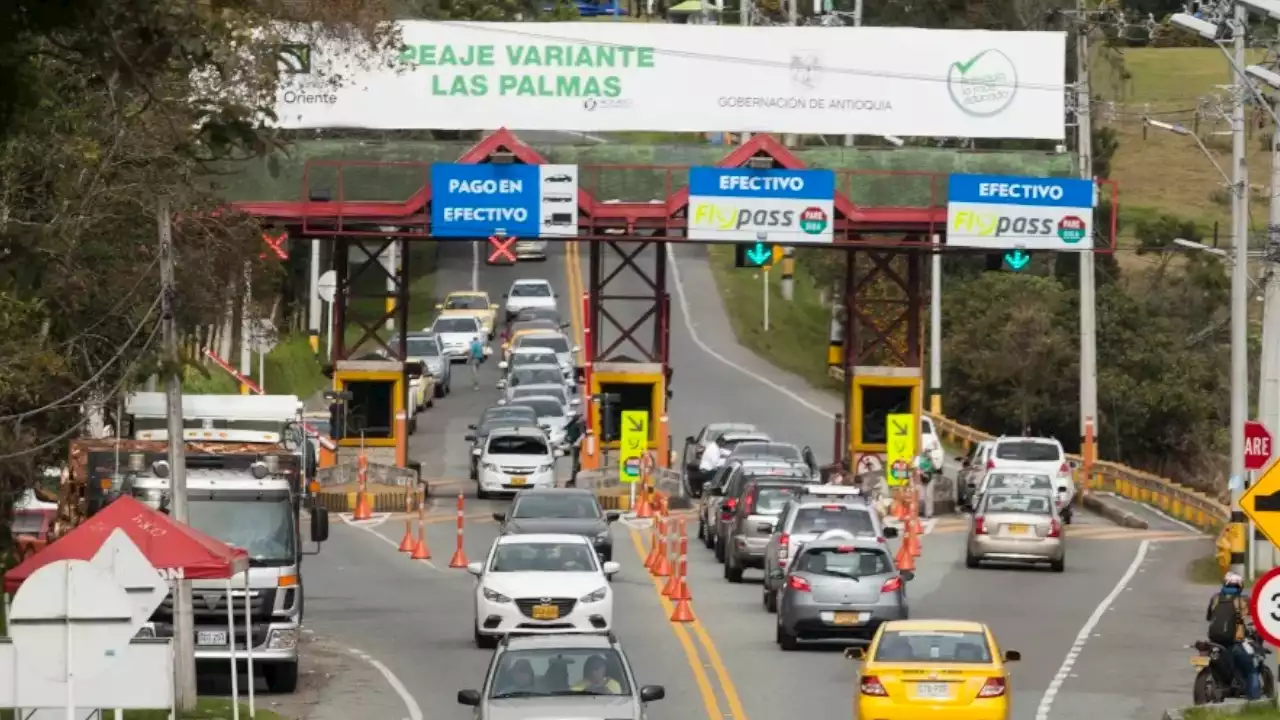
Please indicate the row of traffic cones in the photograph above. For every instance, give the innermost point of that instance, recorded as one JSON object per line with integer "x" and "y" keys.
{"x": 416, "y": 546}
{"x": 668, "y": 536}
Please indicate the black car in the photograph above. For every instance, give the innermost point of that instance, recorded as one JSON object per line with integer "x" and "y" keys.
{"x": 560, "y": 510}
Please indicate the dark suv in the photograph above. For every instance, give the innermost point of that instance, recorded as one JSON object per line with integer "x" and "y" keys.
{"x": 752, "y": 524}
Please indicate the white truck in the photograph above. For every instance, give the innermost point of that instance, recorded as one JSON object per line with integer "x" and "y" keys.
{"x": 250, "y": 494}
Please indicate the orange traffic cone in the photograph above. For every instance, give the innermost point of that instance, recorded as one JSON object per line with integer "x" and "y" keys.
{"x": 644, "y": 509}
{"x": 899, "y": 508}
{"x": 459, "y": 559}
{"x": 655, "y": 531}
{"x": 362, "y": 511}
{"x": 420, "y": 549}
{"x": 912, "y": 544}
{"x": 676, "y": 585}
{"x": 661, "y": 565}
{"x": 408, "y": 543}
{"x": 683, "y": 611}
{"x": 904, "y": 560}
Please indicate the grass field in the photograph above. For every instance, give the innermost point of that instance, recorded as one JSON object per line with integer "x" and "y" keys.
{"x": 1254, "y": 712}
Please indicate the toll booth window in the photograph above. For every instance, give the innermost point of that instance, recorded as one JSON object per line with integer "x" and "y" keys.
{"x": 370, "y": 410}
{"x": 629, "y": 396}
{"x": 878, "y": 403}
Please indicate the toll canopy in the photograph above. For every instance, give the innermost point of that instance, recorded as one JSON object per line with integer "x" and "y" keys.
{"x": 215, "y": 418}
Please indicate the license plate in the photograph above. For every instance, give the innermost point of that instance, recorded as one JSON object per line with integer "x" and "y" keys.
{"x": 1019, "y": 529}
{"x": 849, "y": 618}
{"x": 1199, "y": 660}
{"x": 933, "y": 690}
{"x": 546, "y": 612}
{"x": 519, "y": 480}
{"x": 211, "y": 637}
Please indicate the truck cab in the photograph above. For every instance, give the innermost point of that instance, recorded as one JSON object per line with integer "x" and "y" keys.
{"x": 253, "y": 503}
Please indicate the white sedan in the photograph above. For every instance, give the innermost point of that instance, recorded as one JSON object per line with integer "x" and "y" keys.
{"x": 541, "y": 584}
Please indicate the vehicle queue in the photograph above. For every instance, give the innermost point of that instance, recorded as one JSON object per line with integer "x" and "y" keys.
{"x": 543, "y": 597}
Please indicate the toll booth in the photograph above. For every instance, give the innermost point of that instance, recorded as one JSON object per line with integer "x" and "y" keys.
{"x": 875, "y": 394}
{"x": 618, "y": 387}
{"x": 375, "y": 396}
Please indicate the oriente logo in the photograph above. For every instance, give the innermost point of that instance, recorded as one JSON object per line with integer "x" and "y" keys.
{"x": 984, "y": 84}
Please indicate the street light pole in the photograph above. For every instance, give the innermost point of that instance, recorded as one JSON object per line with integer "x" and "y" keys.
{"x": 1239, "y": 289}
{"x": 1088, "y": 296}
{"x": 1269, "y": 385}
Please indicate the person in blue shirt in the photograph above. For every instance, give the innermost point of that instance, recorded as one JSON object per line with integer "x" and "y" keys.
{"x": 475, "y": 357}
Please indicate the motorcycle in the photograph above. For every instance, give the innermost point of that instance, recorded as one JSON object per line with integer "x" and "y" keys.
{"x": 1217, "y": 679}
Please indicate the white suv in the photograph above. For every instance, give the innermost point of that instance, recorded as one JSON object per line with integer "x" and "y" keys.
{"x": 515, "y": 458}
{"x": 526, "y": 294}
{"x": 930, "y": 444}
{"x": 1044, "y": 456}
{"x": 541, "y": 583}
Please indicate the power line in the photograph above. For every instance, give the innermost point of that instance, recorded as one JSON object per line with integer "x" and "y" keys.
{"x": 142, "y": 277}
{"x": 94, "y": 378}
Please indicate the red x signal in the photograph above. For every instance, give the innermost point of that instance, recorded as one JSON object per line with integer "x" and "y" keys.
{"x": 276, "y": 244}
{"x": 501, "y": 252}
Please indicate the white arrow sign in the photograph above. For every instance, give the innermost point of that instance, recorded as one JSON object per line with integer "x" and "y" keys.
{"x": 120, "y": 558}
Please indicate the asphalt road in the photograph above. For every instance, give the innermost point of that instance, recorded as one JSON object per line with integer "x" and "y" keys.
{"x": 1103, "y": 639}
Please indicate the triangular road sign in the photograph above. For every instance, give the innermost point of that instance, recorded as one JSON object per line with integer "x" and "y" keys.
{"x": 120, "y": 558}
{"x": 1261, "y": 502}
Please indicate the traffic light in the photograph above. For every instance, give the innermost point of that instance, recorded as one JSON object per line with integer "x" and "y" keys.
{"x": 1013, "y": 260}
{"x": 756, "y": 255}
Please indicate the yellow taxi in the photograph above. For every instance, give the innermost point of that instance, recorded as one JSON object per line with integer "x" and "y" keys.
{"x": 475, "y": 304}
{"x": 939, "y": 669}
{"x": 511, "y": 341}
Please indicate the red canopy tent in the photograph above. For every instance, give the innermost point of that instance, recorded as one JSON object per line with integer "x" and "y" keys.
{"x": 175, "y": 549}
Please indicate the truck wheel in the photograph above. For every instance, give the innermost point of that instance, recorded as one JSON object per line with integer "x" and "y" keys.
{"x": 281, "y": 677}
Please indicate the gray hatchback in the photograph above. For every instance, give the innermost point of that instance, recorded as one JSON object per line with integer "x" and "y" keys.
{"x": 839, "y": 588}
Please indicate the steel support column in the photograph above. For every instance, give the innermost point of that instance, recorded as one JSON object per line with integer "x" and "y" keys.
{"x": 359, "y": 281}
{"x": 626, "y": 295}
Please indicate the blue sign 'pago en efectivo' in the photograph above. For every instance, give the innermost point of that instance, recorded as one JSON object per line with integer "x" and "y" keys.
{"x": 523, "y": 201}
{"x": 1001, "y": 213}
{"x": 786, "y": 207}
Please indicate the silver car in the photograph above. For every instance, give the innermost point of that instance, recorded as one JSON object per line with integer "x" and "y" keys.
{"x": 733, "y": 494}
{"x": 533, "y": 375}
{"x": 535, "y": 676}
{"x": 557, "y": 343}
{"x": 1013, "y": 480}
{"x": 753, "y": 522}
{"x": 819, "y": 509}
{"x": 427, "y": 349}
{"x": 839, "y": 588}
{"x": 553, "y": 416}
{"x": 557, "y": 391}
{"x": 713, "y": 495}
{"x": 1016, "y": 526}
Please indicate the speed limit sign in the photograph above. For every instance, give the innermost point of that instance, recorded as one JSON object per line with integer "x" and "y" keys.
{"x": 1264, "y": 606}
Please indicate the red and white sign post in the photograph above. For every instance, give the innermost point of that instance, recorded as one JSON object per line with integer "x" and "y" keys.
{"x": 1257, "y": 445}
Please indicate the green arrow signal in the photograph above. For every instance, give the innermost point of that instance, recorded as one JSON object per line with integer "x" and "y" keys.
{"x": 759, "y": 254}
{"x": 1017, "y": 259}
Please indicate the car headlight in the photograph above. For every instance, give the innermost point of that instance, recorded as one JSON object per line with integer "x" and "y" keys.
{"x": 493, "y": 596}
{"x": 596, "y": 596}
{"x": 544, "y": 468}
{"x": 282, "y": 639}
{"x": 603, "y": 537}
{"x": 489, "y": 466}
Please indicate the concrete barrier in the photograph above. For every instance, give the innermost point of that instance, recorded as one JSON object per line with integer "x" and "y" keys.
{"x": 1117, "y": 515}
{"x": 382, "y": 500}
{"x": 1228, "y": 706}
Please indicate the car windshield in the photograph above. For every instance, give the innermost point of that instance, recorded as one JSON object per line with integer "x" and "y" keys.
{"x": 933, "y": 647}
{"x": 554, "y": 343}
{"x": 542, "y": 557}
{"x": 818, "y": 520}
{"x": 771, "y": 498}
{"x": 466, "y": 302}
{"x": 455, "y": 325}
{"x": 522, "y": 359}
{"x": 1028, "y": 451}
{"x": 1005, "y": 503}
{"x": 559, "y": 671}
{"x": 507, "y": 411}
{"x": 543, "y": 407}
{"x": 556, "y": 505}
{"x": 1018, "y": 481}
{"x": 532, "y": 390}
{"x": 423, "y": 347}
{"x": 536, "y": 376}
{"x": 926, "y": 426}
{"x": 517, "y": 445}
{"x": 263, "y": 528}
{"x": 531, "y": 290}
{"x": 844, "y": 561}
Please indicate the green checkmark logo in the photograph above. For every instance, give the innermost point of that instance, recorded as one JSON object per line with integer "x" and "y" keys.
{"x": 984, "y": 85}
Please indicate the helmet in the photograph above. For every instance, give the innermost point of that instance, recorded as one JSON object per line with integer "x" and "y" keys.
{"x": 1232, "y": 579}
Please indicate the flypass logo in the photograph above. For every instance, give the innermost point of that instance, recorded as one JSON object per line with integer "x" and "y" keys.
{"x": 984, "y": 84}
{"x": 993, "y": 225}
{"x": 732, "y": 217}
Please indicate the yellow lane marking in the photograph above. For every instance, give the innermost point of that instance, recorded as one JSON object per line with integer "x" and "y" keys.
{"x": 709, "y": 700}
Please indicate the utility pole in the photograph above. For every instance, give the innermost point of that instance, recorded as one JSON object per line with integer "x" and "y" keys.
{"x": 1269, "y": 387}
{"x": 793, "y": 18}
{"x": 935, "y": 328}
{"x": 1088, "y": 296}
{"x": 1239, "y": 291}
{"x": 246, "y": 328}
{"x": 184, "y": 667}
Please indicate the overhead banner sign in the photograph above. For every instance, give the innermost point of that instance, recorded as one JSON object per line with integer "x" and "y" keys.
{"x": 588, "y": 77}
{"x": 1000, "y": 212}
{"x": 785, "y": 207}
{"x": 526, "y": 201}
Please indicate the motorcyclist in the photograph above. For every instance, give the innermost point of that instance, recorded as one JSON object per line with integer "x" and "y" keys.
{"x": 1226, "y": 617}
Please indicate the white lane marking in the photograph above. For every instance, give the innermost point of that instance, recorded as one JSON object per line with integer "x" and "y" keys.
{"x": 411, "y": 705}
{"x": 475, "y": 266}
{"x": 374, "y": 521}
{"x": 688, "y": 323}
{"x": 1046, "y": 702}
{"x": 1159, "y": 512}
{"x": 370, "y": 529}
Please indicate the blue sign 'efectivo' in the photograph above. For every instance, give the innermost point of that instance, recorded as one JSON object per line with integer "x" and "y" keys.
{"x": 769, "y": 206}
{"x": 522, "y": 201}
{"x": 1000, "y": 212}
{"x": 1011, "y": 190}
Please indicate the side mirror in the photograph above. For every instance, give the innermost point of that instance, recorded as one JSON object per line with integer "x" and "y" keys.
{"x": 649, "y": 693}
{"x": 891, "y": 532}
{"x": 776, "y": 574}
{"x": 612, "y": 516}
{"x": 575, "y": 349}
{"x": 964, "y": 462}
{"x": 469, "y": 438}
{"x": 471, "y": 426}
{"x": 688, "y": 440}
{"x": 611, "y": 568}
{"x": 439, "y": 307}
{"x": 469, "y": 697}
{"x": 319, "y": 524}
{"x": 1012, "y": 656}
{"x": 504, "y": 294}
{"x": 856, "y": 654}
{"x": 717, "y": 491}
{"x": 502, "y": 385}
{"x": 476, "y": 452}
{"x": 475, "y": 568}
{"x": 500, "y": 516}
{"x": 558, "y": 452}
{"x": 502, "y": 365}
{"x": 907, "y": 575}
{"x": 1073, "y": 464}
